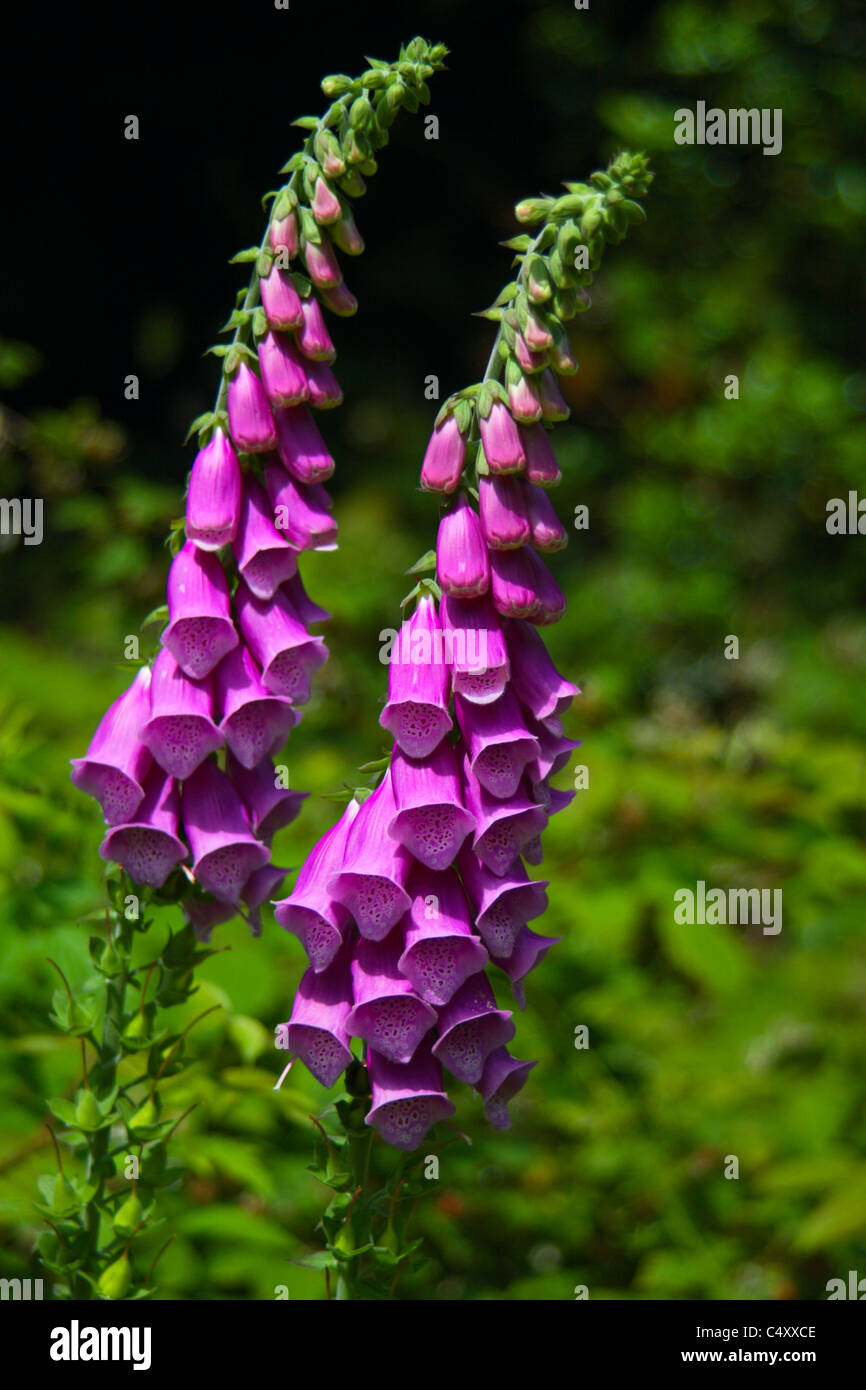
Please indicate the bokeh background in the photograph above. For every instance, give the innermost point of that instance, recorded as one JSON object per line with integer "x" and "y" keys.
{"x": 706, "y": 519}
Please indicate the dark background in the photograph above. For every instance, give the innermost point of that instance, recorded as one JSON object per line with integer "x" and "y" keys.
{"x": 707, "y": 519}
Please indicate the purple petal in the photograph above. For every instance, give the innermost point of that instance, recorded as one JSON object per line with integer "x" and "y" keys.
{"x": 430, "y": 820}
{"x": 181, "y": 732}
{"x": 117, "y": 762}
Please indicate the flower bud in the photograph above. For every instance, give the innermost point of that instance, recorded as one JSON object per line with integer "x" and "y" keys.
{"x": 443, "y": 459}
{"x": 528, "y": 360}
{"x": 462, "y": 567}
{"x": 538, "y": 282}
{"x": 561, "y": 356}
{"x": 541, "y": 465}
{"x": 346, "y": 235}
{"x": 499, "y": 437}
{"x": 283, "y": 235}
{"x": 114, "y": 1281}
{"x": 328, "y": 153}
{"x": 533, "y": 209}
{"x": 280, "y": 300}
{"x": 325, "y": 205}
{"x": 322, "y": 264}
{"x": 502, "y": 504}
{"x": 250, "y": 420}
{"x": 339, "y": 299}
{"x": 522, "y": 398}
{"x": 548, "y": 532}
{"x": 283, "y": 370}
{"x": 312, "y": 337}
{"x": 324, "y": 390}
{"x": 553, "y": 405}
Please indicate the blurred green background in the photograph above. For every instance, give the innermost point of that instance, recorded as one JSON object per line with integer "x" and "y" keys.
{"x": 706, "y": 519}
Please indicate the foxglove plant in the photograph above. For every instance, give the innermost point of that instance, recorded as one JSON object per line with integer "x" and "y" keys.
{"x": 421, "y": 886}
{"x": 182, "y": 763}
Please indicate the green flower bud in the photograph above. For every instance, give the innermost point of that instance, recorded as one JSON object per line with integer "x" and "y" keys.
{"x": 115, "y": 1280}
{"x": 590, "y": 220}
{"x": 128, "y": 1217}
{"x": 360, "y": 113}
{"x": 64, "y": 1198}
{"x": 336, "y": 85}
{"x": 533, "y": 209}
{"x": 538, "y": 282}
{"x": 145, "y": 1116}
{"x": 87, "y": 1113}
{"x": 352, "y": 184}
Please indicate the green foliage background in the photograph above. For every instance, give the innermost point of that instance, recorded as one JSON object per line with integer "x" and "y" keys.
{"x": 707, "y": 519}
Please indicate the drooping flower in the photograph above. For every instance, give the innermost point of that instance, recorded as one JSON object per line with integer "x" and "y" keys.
{"x": 255, "y": 722}
{"x": 269, "y": 803}
{"x": 502, "y": 444}
{"x": 418, "y": 683}
{"x": 225, "y": 850}
{"x": 371, "y": 882}
{"x": 406, "y": 1099}
{"x": 200, "y": 630}
{"x": 317, "y": 1028}
{"x": 116, "y": 763}
{"x": 213, "y": 499}
{"x": 148, "y": 845}
{"x": 264, "y": 557}
{"x": 310, "y": 910}
{"x": 503, "y": 507}
{"x": 180, "y": 732}
{"x": 430, "y": 818}
{"x": 387, "y": 1012}
{"x": 283, "y": 648}
{"x": 301, "y": 447}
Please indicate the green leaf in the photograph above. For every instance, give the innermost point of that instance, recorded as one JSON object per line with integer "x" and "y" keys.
{"x": 320, "y": 1259}
{"x": 306, "y": 122}
{"x": 246, "y": 256}
{"x": 425, "y": 565}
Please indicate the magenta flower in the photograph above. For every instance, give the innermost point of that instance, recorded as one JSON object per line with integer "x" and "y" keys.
{"x": 504, "y": 826}
{"x": 418, "y": 684}
{"x": 339, "y": 299}
{"x": 502, "y": 1078}
{"x": 322, "y": 265}
{"x": 346, "y": 236}
{"x": 430, "y": 819}
{"x": 280, "y": 300}
{"x": 255, "y": 722}
{"x": 470, "y": 1027}
{"x": 371, "y": 882}
{"x": 501, "y": 904}
{"x": 301, "y": 448}
{"x": 148, "y": 846}
{"x": 283, "y": 369}
{"x": 440, "y": 950}
{"x": 310, "y": 911}
{"x": 443, "y": 460}
{"x": 548, "y": 532}
{"x": 479, "y": 657}
{"x": 306, "y": 609}
{"x": 502, "y": 444}
{"x": 407, "y": 1099}
{"x": 279, "y": 642}
{"x": 551, "y": 601}
{"x": 512, "y": 583}
{"x": 553, "y": 403}
{"x": 324, "y": 390}
{"x": 387, "y": 1012}
{"x": 313, "y": 337}
{"x": 250, "y": 420}
{"x": 537, "y": 684}
{"x": 522, "y": 399}
{"x": 200, "y": 629}
{"x": 301, "y": 510}
{"x": 317, "y": 1028}
{"x": 462, "y": 567}
{"x": 503, "y": 507}
{"x": 214, "y": 496}
{"x": 116, "y": 763}
{"x": 180, "y": 732}
{"x": 498, "y": 742}
{"x": 529, "y": 951}
{"x": 541, "y": 465}
{"x": 225, "y": 850}
{"x": 265, "y": 559}
{"x": 269, "y": 805}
